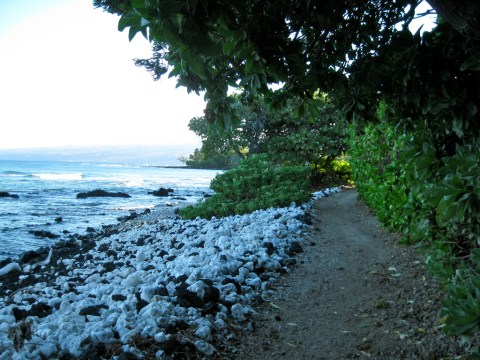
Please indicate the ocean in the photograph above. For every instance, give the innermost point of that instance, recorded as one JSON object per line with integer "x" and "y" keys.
{"x": 47, "y": 192}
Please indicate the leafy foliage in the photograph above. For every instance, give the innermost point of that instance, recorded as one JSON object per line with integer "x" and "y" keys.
{"x": 433, "y": 200}
{"x": 216, "y": 142}
{"x": 252, "y": 185}
{"x": 198, "y": 160}
{"x": 430, "y": 81}
{"x": 298, "y": 136}
{"x": 211, "y": 45}
{"x": 462, "y": 305}
{"x": 378, "y": 173}
{"x": 286, "y": 136}
{"x": 219, "y": 150}
{"x": 431, "y": 189}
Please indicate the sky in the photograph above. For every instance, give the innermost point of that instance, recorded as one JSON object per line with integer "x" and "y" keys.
{"x": 67, "y": 78}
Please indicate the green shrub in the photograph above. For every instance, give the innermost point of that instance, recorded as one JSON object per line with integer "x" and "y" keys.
{"x": 461, "y": 312}
{"x": 444, "y": 204}
{"x": 379, "y": 172}
{"x": 434, "y": 199}
{"x": 341, "y": 171}
{"x": 254, "y": 184}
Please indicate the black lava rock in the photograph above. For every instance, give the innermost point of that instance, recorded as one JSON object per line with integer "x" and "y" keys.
{"x": 180, "y": 279}
{"x": 4, "y": 194}
{"x": 162, "y": 253}
{"x": 162, "y": 291}
{"x": 187, "y": 298}
{"x": 109, "y": 266}
{"x": 133, "y": 215}
{"x": 93, "y": 310}
{"x": 19, "y": 314}
{"x": 295, "y": 248}
{"x": 140, "y": 302}
{"x": 270, "y": 247}
{"x": 125, "y": 355}
{"x": 5, "y": 262}
{"x": 212, "y": 294}
{"x": 306, "y": 218}
{"x": 234, "y": 282}
{"x": 176, "y": 325}
{"x": 162, "y": 192}
{"x": 118, "y": 297}
{"x": 44, "y": 234}
{"x": 88, "y": 245}
{"x": 29, "y": 256}
{"x": 40, "y": 310}
{"x": 101, "y": 193}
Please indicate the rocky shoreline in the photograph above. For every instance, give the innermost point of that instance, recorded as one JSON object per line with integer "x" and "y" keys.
{"x": 150, "y": 287}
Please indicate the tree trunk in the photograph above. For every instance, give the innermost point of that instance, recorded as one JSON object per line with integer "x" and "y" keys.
{"x": 462, "y": 15}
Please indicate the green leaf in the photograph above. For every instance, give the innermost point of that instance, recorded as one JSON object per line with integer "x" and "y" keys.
{"x": 446, "y": 210}
{"x": 278, "y": 72}
{"x": 204, "y": 44}
{"x": 255, "y": 84}
{"x": 181, "y": 20}
{"x": 301, "y": 110}
{"x": 123, "y": 22}
{"x": 132, "y": 32}
{"x": 228, "y": 46}
{"x": 296, "y": 65}
{"x": 249, "y": 65}
{"x": 197, "y": 66}
{"x": 138, "y": 4}
{"x": 128, "y": 20}
{"x": 472, "y": 63}
{"x": 144, "y": 32}
{"x": 172, "y": 36}
{"x": 457, "y": 126}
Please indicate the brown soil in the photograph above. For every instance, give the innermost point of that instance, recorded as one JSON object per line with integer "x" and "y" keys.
{"x": 355, "y": 294}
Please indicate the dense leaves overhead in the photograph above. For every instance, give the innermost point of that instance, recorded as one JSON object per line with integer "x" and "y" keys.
{"x": 212, "y": 44}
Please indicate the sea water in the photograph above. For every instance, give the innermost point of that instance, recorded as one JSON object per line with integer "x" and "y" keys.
{"x": 47, "y": 191}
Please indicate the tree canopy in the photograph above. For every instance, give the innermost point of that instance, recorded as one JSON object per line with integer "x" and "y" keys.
{"x": 210, "y": 45}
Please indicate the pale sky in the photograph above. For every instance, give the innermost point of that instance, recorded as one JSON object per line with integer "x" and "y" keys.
{"x": 67, "y": 78}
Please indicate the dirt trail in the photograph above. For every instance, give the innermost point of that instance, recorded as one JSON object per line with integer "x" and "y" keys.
{"x": 355, "y": 294}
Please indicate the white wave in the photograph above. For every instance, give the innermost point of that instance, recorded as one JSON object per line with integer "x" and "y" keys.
{"x": 13, "y": 174}
{"x": 133, "y": 208}
{"x": 64, "y": 176}
{"x": 133, "y": 182}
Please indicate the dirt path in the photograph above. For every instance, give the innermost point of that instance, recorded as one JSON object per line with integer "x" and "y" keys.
{"x": 355, "y": 294}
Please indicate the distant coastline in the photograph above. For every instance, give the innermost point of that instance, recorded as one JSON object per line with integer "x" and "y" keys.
{"x": 184, "y": 167}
